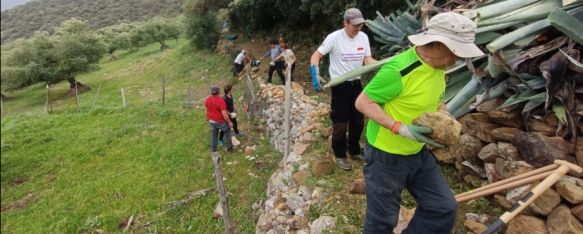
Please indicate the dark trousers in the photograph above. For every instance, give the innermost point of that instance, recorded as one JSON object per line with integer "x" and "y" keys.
{"x": 237, "y": 68}
{"x": 385, "y": 177}
{"x": 279, "y": 66}
{"x": 235, "y": 129}
{"x": 346, "y": 117}
{"x": 215, "y": 129}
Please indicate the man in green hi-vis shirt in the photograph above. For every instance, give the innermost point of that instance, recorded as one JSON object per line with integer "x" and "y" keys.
{"x": 411, "y": 84}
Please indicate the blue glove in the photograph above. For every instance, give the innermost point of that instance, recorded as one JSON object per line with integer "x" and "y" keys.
{"x": 315, "y": 81}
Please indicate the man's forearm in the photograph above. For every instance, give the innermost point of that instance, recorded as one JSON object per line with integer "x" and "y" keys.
{"x": 373, "y": 111}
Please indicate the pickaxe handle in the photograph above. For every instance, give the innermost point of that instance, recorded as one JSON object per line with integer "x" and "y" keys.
{"x": 564, "y": 167}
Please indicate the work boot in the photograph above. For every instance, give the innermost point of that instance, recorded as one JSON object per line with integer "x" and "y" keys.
{"x": 343, "y": 163}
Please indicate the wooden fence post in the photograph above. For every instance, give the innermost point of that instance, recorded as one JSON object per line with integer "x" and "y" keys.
{"x": 222, "y": 194}
{"x": 163, "y": 89}
{"x": 123, "y": 98}
{"x": 287, "y": 115}
{"x": 1, "y": 106}
{"x": 76, "y": 96}
{"x": 95, "y": 99}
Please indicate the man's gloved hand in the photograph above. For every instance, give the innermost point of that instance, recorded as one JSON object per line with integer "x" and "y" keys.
{"x": 414, "y": 132}
{"x": 315, "y": 75}
{"x": 272, "y": 63}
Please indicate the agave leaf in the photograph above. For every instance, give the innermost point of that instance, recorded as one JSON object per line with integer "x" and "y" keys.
{"x": 498, "y": 8}
{"x": 575, "y": 65}
{"x": 561, "y": 113}
{"x": 485, "y": 37}
{"x": 467, "y": 92}
{"x": 536, "y": 11}
{"x": 534, "y": 102}
{"x": 455, "y": 84}
{"x": 494, "y": 27}
{"x": 357, "y": 72}
{"x": 537, "y": 51}
{"x": 516, "y": 35}
{"x": 517, "y": 98}
{"x": 568, "y": 24}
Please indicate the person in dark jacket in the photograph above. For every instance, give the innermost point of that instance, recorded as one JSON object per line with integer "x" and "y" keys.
{"x": 231, "y": 111}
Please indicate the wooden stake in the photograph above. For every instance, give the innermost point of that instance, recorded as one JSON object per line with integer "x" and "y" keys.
{"x": 76, "y": 96}
{"x": 222, "y": 194}
{"x": 163, "y": 90}
{"x": 96, "y": 96}
{"x": 287, "y": 116}
{"x": 1, "y": 106}
{"x": 123, "y": 98}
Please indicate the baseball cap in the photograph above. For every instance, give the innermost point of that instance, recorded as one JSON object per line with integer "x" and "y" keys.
{"x": 215, "y": 90}
{"x": 454, "y": 30}
{"x": 354, "y": 16}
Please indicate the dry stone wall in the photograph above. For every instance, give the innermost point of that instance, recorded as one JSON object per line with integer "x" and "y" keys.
{"x": 288, "y": 201}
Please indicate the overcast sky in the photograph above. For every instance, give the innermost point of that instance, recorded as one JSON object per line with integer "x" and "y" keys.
{"x": 7, "y": 4}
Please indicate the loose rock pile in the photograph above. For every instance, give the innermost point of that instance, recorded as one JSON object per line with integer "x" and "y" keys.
{"x": 288, "y": 200}
{"x": 494, "y": 146}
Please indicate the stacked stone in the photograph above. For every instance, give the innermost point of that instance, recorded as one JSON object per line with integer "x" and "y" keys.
{"x": 495, "y": 145}
{"x": 288, "y": 200}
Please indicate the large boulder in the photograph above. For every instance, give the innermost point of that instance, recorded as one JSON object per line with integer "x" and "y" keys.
{"x": 445, "y": 129}
{"x": 561, "y": 221}
{"x": 511, "y": 119}
{"x": 546, "y": 202}
{"x": 536, "y": 149}
{"x": 571, "y": 189}
{"x": 479, "y": 126}
{"x": 504, "y": 133}
{"x": 523, "y": 224}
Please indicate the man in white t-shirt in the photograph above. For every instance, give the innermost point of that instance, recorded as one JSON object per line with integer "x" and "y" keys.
{"x": 239, "y": 63}
{"x": 349, "y": 48}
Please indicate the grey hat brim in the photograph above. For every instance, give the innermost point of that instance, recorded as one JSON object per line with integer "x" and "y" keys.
{"x": 462, "y": 50}
{"x": 357, "y": 21}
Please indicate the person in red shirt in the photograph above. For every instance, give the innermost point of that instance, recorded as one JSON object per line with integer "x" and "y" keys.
{"x": 218, "y": 117}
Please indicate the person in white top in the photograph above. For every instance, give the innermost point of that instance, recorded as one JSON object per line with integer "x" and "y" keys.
{"x": 287, "y": 52}
{"x": 239, "y": 63}
{"x": 349, "y": 48}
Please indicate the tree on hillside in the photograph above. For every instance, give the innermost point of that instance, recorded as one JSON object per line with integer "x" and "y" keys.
{"x": 72, "y": 50}
{"x": 160, "y": 29}
{"x": 116, "y": 37}
{"x": 202, "y": 25}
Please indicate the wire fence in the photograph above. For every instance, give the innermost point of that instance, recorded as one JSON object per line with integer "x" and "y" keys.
{"x": 168, "y": 92}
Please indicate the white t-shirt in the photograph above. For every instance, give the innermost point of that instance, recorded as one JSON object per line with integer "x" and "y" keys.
{"x": 239, "y": 59}
{"x": 346, "y": 54}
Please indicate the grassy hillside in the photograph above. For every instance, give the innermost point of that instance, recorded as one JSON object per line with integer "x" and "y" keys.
{"x": 71, "y": 172}
{"x": 44, "y": 15}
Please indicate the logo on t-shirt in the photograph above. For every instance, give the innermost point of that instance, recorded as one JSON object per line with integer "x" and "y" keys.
{"x": 359, "y": 48}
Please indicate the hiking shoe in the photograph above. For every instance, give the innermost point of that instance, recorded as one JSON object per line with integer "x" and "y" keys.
{"x": 240, "y": 134}
{"x": 358, "y": 157}
{"x": 343, "y": 163}
{"x": 230, "y": 150}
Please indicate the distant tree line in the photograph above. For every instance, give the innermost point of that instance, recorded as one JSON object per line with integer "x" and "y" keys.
{"x": 45, "y": 15}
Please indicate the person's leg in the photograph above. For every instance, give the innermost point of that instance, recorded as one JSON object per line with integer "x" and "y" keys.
{"x": 280, "y": 65}
{"x": 340, "y": 106}
{"x": 270, "y": 73}
{"x": 385, "y": 177}
{"x": 234, "y": 120}
{"x": 436, "y": 205}
{"x": 225, "y": 128}
{"x": 221, "y": 134}
{"x": 356, "y": 122}
{"x": 214, "y": 137}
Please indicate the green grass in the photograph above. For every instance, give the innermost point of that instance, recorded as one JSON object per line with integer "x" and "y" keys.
{"x": 82, "y": 171}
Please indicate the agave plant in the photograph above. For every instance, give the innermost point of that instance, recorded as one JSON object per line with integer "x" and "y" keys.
{"x": 529, "y": 63}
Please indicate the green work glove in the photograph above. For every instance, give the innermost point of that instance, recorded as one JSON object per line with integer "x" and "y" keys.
{"x": 417, "y": 133}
